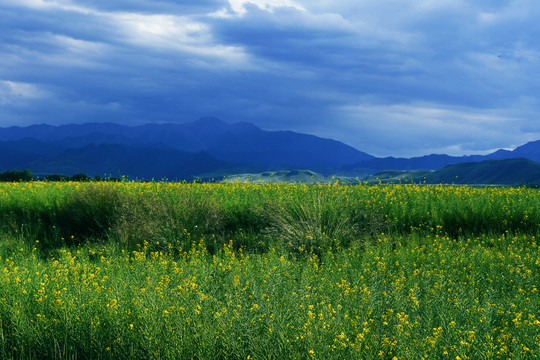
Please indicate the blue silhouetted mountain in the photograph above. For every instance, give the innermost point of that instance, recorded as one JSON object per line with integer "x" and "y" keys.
{"x": 529, "y": 151}
{"x": 240, "y": 143}
{"x": 118, "y": 160}
{"x": 206, "y": 147}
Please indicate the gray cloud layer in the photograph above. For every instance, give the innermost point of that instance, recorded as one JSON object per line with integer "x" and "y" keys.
{"x": 390, "y": 77}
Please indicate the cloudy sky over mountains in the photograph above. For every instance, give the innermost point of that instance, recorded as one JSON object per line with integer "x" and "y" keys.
{"x": 389, "y": 77}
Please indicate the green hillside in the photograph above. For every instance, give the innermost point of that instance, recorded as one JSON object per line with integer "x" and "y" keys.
{"x": 294, "y": 176}
{"x": 498, "y": 172}
{"x": 397, "y": 176}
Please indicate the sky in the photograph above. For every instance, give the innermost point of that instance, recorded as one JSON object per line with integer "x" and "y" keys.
{"x": 389, "y": 77}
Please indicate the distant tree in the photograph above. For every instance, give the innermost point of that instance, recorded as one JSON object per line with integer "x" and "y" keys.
{"x": 27, "y": 175}
{"x": 80, "y": 177}
{"x": 56, "y": 177}
{"x": 16, "y": 176}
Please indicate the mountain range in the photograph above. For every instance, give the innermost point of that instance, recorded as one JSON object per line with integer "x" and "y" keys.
{"x": 529, "y": 151}
{"x": 207, "y": 147}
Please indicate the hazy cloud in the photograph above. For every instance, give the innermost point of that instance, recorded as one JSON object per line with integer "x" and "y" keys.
{"x": 16, "y": 92}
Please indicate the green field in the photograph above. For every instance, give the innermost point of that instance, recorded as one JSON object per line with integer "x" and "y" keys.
{"x": 256, "y": 271}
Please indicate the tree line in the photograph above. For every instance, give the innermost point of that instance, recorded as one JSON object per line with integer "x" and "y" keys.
{"x": 26, "y": 175}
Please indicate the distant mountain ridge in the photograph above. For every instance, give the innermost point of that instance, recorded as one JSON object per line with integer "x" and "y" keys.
{"x": 206, "y": 147}
{"x": 240, "y": 145}
{"x": 529, "y": 151}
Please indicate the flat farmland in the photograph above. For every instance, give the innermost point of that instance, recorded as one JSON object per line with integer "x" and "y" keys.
{"x": 268, "y": 271}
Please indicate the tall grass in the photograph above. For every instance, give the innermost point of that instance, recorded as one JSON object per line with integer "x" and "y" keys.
{"x": 300, "y": 215}
{"x": 220, "y": 271}
{"x": 425, "y": 298}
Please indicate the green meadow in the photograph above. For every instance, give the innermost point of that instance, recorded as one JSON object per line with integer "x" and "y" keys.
{"x": 268, "y": 271}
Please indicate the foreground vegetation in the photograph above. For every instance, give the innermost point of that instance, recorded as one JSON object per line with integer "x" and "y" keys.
{"x": 160, "y": 270}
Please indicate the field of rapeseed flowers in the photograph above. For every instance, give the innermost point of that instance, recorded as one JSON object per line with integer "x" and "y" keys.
{"x": 160, "y": 270}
